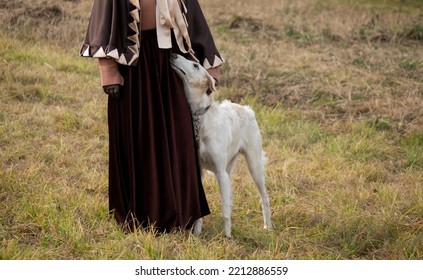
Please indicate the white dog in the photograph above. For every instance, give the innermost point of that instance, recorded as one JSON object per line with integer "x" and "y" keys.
{"x": 223, "y": 132}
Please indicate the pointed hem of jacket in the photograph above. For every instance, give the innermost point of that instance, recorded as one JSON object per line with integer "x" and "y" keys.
{"x": 114, "y": 32}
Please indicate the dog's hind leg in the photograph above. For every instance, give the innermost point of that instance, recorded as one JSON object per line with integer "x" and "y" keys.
{"x": 256, "y": 160}
{"x": 226, "y": 196}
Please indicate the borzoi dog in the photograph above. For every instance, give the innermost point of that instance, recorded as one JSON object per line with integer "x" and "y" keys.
{"x": 223, "y": 132}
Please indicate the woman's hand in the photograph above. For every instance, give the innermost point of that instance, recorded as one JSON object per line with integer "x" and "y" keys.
{"x": 112, "y": 90}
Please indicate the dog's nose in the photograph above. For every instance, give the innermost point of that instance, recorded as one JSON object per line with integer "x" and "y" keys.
{"x": 174, "y": 56}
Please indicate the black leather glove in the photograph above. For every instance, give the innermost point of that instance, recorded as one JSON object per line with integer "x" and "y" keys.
{"x": 112, "y": 90}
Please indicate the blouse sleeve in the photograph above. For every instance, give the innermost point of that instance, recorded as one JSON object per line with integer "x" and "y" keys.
{"x": 201, "y": 37}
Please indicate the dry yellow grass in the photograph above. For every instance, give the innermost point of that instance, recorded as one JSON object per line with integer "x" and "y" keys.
{"x": 337, "y": 88}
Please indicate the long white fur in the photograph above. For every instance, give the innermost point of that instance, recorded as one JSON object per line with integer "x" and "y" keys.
{"x": 227, "y": 130}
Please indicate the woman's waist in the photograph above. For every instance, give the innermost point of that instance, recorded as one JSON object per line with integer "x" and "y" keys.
{"x": 148, "y": 34}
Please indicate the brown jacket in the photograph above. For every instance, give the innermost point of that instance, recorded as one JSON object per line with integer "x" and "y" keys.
{"x": 110, "y": 37}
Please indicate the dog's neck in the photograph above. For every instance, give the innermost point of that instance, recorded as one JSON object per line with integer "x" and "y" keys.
{"x": 200, "y": 104}
{"x": 197, "y": 100}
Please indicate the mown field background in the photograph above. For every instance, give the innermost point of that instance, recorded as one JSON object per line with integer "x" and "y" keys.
{"x": 337, "y": 87}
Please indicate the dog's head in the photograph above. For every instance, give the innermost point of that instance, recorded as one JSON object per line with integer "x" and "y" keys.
{"x": 195, "y": 77}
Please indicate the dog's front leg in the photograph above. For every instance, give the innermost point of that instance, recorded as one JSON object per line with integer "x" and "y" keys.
{"x": 198, "y": 226}
{"x": 226, "y": 196}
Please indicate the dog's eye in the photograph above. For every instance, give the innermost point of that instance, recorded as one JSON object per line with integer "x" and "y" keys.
{"x": 196, "y": 66}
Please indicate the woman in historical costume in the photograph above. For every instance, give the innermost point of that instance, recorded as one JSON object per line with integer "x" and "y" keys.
{"x": 154, "y": 177}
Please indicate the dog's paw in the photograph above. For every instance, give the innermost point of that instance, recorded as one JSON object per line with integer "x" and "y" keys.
{"x": 227, "y": 225}
{"x": 268, "y": 227}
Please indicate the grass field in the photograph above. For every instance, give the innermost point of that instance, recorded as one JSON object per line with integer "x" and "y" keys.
{"x": 337, "y": 87}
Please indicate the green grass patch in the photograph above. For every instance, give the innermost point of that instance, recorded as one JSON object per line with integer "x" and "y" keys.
{"x": 340, "y": 123}
{"x": 413, "y": 148}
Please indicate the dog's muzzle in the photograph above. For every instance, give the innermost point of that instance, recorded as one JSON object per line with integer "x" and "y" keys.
{"x": 173, "y": 58}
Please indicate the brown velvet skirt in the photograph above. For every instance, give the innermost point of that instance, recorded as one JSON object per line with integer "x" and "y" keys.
{"x": 154, "y": 177}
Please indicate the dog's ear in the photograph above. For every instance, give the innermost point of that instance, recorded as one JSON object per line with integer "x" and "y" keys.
{"x": 211, "y": 84}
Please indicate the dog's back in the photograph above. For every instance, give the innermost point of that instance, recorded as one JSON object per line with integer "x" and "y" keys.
{"x": 244, "y": 120}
